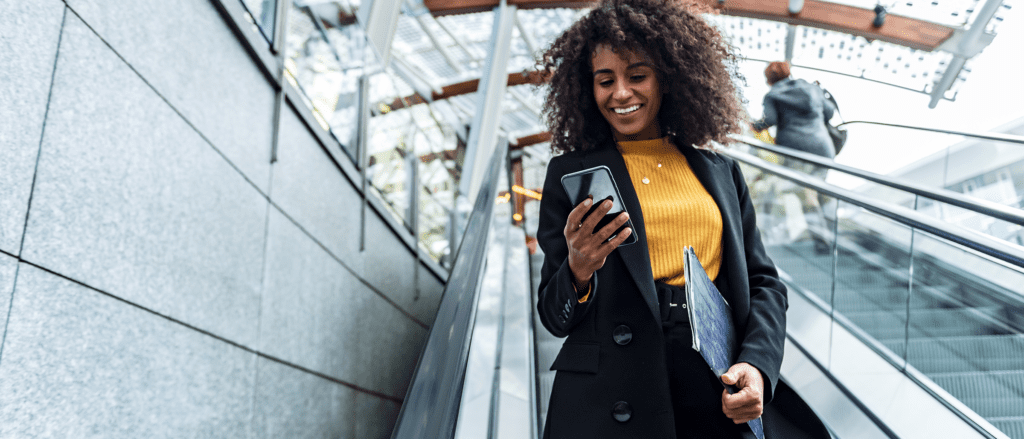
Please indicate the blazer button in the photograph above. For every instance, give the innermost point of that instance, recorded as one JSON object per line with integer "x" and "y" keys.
{"x": 622, "y": 335}
{"x": 621, "y": 411}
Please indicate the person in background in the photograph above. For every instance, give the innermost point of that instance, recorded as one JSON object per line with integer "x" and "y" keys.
{"x": 800, "y": 111}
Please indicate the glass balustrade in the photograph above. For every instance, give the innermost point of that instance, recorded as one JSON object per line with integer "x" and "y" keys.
{"x": 948, "y": 316}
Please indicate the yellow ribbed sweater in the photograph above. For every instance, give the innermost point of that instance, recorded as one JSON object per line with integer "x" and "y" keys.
{"x": 677, "y": 210}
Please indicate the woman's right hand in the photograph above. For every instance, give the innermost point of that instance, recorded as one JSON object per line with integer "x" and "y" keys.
{"x": 589, "y": 249}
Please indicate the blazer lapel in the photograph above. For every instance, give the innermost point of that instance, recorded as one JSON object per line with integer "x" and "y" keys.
{"x": 717, "y": 180}
{"x": 635, "y": 256}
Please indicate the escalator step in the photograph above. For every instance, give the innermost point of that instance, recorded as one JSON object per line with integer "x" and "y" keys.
{"x": 990, "y": 394}
{"x": 964, "y": 354}
{"x": 891, "y": 324}
{"x": 1012, "y": 426}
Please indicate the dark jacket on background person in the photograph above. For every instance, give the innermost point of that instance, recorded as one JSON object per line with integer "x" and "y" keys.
{"x": 595, "y": 369}
{"x": 800, "y": 110}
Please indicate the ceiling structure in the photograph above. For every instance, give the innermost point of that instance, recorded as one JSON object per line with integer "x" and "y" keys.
{"x": 424, "y": 102}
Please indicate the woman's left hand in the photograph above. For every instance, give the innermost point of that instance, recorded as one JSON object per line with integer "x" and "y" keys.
{"x": 748, "y": 403}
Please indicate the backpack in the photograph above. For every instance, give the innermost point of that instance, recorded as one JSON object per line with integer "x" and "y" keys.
{"x": 837, "y": 134}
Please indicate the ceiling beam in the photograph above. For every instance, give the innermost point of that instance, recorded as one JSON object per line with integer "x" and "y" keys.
{"x": 453, "y": 7}
{"x": 901, "y": 30}
{"x": 905, "y": 31}
{"x": 459, "y": 88}
{"x": 532, "y": 139}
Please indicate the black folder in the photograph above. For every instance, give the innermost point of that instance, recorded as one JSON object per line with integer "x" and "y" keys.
{"x": 714, "y": 334}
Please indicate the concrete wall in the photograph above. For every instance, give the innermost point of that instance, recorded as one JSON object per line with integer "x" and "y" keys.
{"x": 159, "y": 276}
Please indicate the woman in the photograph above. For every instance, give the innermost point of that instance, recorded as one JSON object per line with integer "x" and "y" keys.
{"x": 800, "y": 110}
{"x": 634, "y": 85}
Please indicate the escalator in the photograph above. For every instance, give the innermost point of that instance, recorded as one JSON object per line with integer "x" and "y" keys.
{"x": 899, "y": 325}
{"x": 941, "y": 304}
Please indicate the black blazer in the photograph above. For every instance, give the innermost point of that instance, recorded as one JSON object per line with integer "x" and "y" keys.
{"x": 595, "y": 372}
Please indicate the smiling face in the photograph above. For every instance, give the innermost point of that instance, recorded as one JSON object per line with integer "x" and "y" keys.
{"x": 627, "y": 92}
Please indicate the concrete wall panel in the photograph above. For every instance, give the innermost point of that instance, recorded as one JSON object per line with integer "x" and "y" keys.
{"x": 28, "y": 48}
{"x": 130, "y": 200}
{"x": 318, "y": 315}
{"x": 430, "y": 294}
{"x": 81, "y": 364}
{"x": 294, "y": 404}
{"x": 187, "y": 52}
{"x": 389, "y": 265}
{"x": 311, "y": 189}
{"x": 375, "y": 417}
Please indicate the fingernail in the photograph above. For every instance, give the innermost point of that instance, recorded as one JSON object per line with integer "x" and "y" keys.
{"x": 587, "y": 202}
{"x": 626, "y": 215}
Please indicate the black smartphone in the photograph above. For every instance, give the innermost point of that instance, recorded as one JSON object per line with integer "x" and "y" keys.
{"x": 598, "y": 183}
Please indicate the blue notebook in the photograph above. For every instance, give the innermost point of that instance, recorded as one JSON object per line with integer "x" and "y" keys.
{"x": 714, "y": 335}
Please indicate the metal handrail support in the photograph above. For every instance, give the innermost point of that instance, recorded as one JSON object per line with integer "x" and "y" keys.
{"x": 1000, "y": 137}
{"x": 431, "y": 405}
{"x": 997, "y": 251}
{"x": 981, "y": 243}
{"x": 984, "y": 207}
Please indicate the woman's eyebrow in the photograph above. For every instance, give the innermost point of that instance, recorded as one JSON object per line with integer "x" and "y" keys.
{"x": 629, "y": 67}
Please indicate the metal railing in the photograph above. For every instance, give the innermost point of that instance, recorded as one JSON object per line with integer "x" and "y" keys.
{"x": 1009, "y": 138}
{"x": 984, "y": 207}
{"x": 431, "y": 405}
{"x": 883, "y": 253}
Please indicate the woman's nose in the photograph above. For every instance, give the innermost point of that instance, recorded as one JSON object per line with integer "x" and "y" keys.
{"x": 622, "y": 93}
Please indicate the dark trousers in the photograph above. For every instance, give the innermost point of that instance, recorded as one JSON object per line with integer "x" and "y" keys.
{"x": 696, "y": 391}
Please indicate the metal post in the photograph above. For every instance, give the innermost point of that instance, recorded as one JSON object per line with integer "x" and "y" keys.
{"x": 969, "y": 44}
{"x": 280, "y": 26}
{"x": 280, "y": 21}
{"x": 362, "y": 150}
{"x": 413, "y": 171}
{"x": 790, "y": 42}
{"x": 910, "y": 292}
{"x": 484, "y": 129}
{"x": 380, "y": 20}
{"x": 411, "y": 176}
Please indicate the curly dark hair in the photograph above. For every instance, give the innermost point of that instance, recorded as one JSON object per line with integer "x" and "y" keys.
{"x": 694, "y": 65}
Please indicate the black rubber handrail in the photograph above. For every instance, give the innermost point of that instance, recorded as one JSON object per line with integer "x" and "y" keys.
{"x": 979, "y": 242}
{"x": 984, "y": 207}
{"x": 431, "y": 405}
{"x": 1000, "y": 137}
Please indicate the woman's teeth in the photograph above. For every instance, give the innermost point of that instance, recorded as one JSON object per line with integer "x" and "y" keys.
{"x": 627, "y": 110}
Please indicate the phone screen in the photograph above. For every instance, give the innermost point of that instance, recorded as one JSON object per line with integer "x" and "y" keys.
{"x": 597, "y": 183}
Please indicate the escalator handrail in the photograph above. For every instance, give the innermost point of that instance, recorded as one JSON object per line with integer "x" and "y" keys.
{"x": 984, "y": 207}
{"x": 979, "y": 242}
{"x": 999, "y": 137}
{"x": 431, "y": 404}
{"x": 999, "y": 249}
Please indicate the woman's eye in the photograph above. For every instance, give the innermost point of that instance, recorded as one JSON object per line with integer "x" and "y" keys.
{"x": 606, "y": 83}
{"x": 638, "y": 78}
